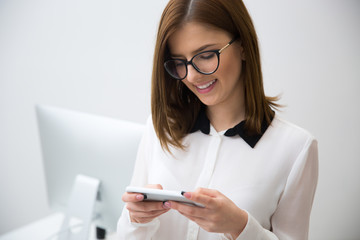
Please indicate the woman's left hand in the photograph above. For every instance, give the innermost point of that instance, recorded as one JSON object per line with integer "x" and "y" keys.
{"x": 220, "y": 214}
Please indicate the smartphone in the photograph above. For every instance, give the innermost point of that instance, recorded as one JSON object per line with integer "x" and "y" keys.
{"x": 151, "y": 194}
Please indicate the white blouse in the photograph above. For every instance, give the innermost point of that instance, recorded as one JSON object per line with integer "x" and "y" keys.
{"x": 274, "y": 182}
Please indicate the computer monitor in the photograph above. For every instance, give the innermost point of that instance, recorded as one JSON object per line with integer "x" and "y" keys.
{"x": 75, "y": 143}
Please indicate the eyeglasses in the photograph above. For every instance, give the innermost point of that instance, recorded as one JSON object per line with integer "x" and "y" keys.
{"x": 206, "y": 62}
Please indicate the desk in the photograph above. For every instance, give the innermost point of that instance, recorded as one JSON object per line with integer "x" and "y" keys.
{"x": 44, "y": 229}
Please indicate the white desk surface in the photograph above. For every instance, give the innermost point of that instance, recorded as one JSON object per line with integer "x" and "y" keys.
{"x": 44, "y": 229}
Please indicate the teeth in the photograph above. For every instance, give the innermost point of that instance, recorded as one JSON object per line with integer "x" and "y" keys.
{"x": 206, "y": 85}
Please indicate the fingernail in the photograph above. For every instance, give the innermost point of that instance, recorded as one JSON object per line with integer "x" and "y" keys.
{"x": 166, "y": 205}
{"x": 140, "y": 197}
{"x": 187, "y": 194}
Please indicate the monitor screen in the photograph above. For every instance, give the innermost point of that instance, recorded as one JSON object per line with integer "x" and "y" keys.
{"x": 99, "y": 147}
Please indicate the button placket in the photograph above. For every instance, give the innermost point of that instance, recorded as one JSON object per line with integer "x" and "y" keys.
{"x": 211, "y": 158}
{"x": 193, "y": 230}
{"x": 205, "y": 178}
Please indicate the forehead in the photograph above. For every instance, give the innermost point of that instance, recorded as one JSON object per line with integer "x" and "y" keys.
{"x": 192, "y": 36}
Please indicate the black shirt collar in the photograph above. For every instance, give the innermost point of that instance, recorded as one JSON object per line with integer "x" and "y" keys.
{"x": 203, "y": 124}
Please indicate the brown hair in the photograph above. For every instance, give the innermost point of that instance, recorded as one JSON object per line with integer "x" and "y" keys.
{"x": 174, "y": 107}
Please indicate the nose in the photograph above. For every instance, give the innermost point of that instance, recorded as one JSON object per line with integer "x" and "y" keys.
{"x": 192, "y": 74}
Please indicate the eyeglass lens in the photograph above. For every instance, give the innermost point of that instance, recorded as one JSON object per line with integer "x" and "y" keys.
{"x": 205, "y": 63}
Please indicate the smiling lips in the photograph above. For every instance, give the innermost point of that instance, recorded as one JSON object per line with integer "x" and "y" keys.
{"x": 205, "y": 88}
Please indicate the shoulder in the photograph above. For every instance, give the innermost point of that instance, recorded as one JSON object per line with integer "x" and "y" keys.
{"x": 149, "y": 127}
{"x": 289, "y": 135}
{"x": 289, "y": 145}
{"x": 149, "y": 122}
{"x": 285, "y": 127}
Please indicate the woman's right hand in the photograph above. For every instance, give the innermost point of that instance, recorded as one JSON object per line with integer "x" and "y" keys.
{"x": 140, "y": 211}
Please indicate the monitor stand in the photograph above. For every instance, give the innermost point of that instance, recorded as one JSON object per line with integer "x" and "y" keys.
{"x": 79, "y": 214}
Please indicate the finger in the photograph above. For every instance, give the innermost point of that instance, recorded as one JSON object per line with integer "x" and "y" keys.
{"x": 204, "y": 196}
{"x": 145, "y": 206}
{"x": 192, "y": 218}
{"x": 207, "y": 191}
{"x": 151, "y": 214}
{"x": 137, "y": 197}
{"x": 198, "y": 220}
{"x": 142, "y": 219}
{"x": 187, "y": 209}
{"x": 132, "y": 197}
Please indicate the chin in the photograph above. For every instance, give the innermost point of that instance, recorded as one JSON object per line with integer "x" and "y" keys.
{"x": 208, "y": 102}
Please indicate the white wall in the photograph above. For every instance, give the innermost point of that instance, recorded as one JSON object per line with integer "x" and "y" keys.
{"x": 95, "y": 56}
{"x": 311, "y": 54}
{"x": 87, "y": 55}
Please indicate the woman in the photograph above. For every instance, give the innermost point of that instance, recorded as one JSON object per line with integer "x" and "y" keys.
{"x": 214, "y": 134}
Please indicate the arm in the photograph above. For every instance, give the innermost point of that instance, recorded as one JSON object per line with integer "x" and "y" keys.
{"x": 139, "y": 219}
{"x": 290, "y": 220}
{"x": 296, "y": 202}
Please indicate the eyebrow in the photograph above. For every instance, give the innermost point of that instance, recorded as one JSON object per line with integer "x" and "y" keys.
{"x": 197, "y": 50}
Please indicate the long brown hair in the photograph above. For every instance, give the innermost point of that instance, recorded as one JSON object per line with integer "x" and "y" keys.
{"x": 174, "y": 107}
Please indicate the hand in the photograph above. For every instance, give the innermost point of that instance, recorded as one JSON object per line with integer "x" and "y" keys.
{"x": 143, "y": 212}
{"x": 219, "y": 215}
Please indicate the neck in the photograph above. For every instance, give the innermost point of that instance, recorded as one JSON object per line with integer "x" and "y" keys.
{"x": 227, "y": 114}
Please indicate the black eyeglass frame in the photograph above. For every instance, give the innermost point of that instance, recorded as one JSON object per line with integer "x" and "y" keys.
{"x": 217, "y": 52}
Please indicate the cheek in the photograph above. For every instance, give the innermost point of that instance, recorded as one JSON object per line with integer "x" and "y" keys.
{"x": 230, "y": 68}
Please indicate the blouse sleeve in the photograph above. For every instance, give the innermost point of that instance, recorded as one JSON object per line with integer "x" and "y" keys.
{"x": 126, "y": 229}
{"x": 291, "y": 219}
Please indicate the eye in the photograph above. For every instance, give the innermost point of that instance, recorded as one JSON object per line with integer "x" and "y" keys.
{"x": 207, "y": 55}
{"x": 178, "y": 64}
